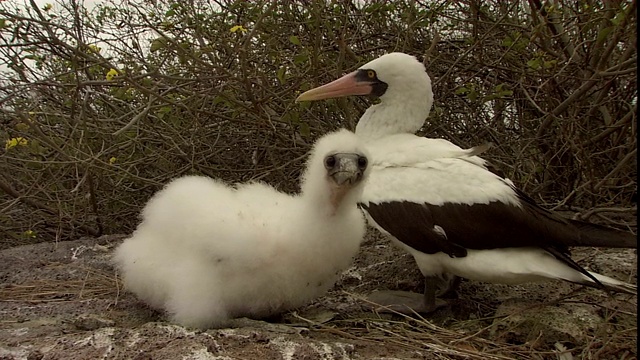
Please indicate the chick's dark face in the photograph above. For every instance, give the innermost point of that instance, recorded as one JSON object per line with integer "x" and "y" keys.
{"x": 345, "y": 169}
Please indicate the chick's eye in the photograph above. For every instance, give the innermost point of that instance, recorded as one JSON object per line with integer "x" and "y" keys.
{"x": 330, "y": 162}
{"x": 362, "y": 162}
{"x": 371, "y": 74}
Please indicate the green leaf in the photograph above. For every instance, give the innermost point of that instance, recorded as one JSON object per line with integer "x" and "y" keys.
{"x": 602, "y": 34}
{"x": 166, "y": 25}
{"x": 304, "y": 130}
{"x": 294, "y": 40}
{"x": 472, "y": 95}
{"x": 461, "y": 90}
{"x": 535, "y": 63}
{"x": 507, "y": 42}
{"x": 218, "y": 99}
{"x": 293, "y": 117}
{"x": 119, "y": 92}
{"x": 3, "y": 24}
{"x": 158, "y": 44}
{"x": 175, "y": 121}
{"x": 499, "y": 92}
{"x": 300, "y": 59}
{"x": 160, "y": 113}
{"x": 617, "y": 20}
{"x": 35, "y": 147}
{"x": 304, "y": 105}
{"x": 280, "y": 74}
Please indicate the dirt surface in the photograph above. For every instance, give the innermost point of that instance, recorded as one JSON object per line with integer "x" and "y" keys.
{"x": 64, "y": 301}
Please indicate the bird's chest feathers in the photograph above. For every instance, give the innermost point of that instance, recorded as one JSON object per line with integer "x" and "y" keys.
{"x": 330, "y": 238}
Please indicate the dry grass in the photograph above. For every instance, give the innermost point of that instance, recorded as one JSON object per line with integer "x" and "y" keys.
{"x": 94, "y": 284}
{"x": 469, "y": 339}
{"x": 417, "y": 333}
{"x": 458, "y": 341}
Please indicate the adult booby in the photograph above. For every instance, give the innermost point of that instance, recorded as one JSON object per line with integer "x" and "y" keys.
{"x": 206, "y": 252}
{"x": 443, "y": 204}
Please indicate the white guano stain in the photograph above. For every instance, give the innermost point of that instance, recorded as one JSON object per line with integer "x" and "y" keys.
{"x": 287, "y": 348}
{"x": 100, "y": 339}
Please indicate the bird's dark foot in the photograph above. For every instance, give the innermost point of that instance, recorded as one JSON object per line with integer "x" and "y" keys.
{"x": 445, "y": 284}
{"x": 403, "y": 302}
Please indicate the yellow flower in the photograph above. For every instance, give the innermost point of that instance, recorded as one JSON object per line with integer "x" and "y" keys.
{"x": 30, "y": 234}
{"x": 13, "y": 142}
{"x": 238, "y": 28}
{"x": 111, "y": 74}
{"x": 47, "y": 7}
{"x": 112, "y": 160}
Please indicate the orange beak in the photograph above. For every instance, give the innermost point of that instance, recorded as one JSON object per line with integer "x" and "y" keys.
{"x": 345, "y": 86}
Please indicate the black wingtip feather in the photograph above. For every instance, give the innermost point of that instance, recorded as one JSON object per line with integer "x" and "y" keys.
{"x": 565, "y": 258}
{"x": 602, "y": 236}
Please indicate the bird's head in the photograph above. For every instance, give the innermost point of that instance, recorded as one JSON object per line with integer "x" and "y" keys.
{"x": 345, "y": 169}
{"x": 389, "y": 76}
{"x": 337, "y": 168}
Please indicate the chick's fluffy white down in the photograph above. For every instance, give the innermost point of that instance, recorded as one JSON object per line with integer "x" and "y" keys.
{"x": 206, "y": 252}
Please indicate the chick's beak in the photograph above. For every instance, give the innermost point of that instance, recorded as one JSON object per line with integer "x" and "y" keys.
{"x": 346, "y": 170}
{"x": 344, "y": 86}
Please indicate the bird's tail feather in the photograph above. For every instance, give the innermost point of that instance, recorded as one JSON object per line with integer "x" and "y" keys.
{"x": 477, "y": 150}
{"x": 580, "y": 275}
{"x": 602, "y": 236}
{"x": 609, "y": 284}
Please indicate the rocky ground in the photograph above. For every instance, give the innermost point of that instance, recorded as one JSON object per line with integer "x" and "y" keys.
{"x": 64, "y": 301}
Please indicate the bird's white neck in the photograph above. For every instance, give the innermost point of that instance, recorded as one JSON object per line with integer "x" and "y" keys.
{"x": 394, "y": 116}
{"x": 328, "y": 199}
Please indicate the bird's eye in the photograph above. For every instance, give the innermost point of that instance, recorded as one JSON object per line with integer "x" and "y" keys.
{"x": 330, "y": 162}
{"x": 371, "y": 74}
{"x": 362, "y": 162}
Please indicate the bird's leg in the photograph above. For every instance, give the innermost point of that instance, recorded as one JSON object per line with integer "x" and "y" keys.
{"x": 446, "y": 284}
{"x": 434, "y": 285}
{"x": 406, "y": 302}
{"x": 430, "y": 283}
